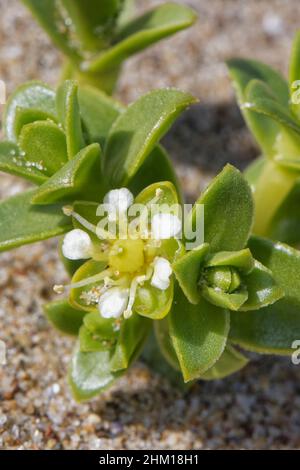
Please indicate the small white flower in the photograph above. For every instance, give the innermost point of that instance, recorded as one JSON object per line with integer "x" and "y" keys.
{"x": 165, "y": 226}
{"x": 77, "y": 245}
{"x": 113, "y": 302}
{"x": 119, "y": 200}
{"x": 162, "y": 273}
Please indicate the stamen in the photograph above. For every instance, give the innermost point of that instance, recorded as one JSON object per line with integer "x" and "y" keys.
{"x": 132, "y": 293}
{"x": 158, "y": 194}
{"x": 139, "y": 280}
{"x": 144, "y": 216}
{"x": 153, "y": 243}
{"x": 59, "y": 289}
{"x": 69, "y": 211}
{"x": 100, "y": 232}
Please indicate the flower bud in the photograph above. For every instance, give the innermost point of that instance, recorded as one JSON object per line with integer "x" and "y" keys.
{"x": 225, "y": 279}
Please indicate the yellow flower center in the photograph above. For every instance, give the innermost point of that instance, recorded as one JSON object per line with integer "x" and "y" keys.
{"x": 127, "y": 255}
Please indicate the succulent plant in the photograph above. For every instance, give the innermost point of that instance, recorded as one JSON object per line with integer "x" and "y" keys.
{"x": 151, "y": 286}
{"x": 270, "y": 106}
{"x": 97, "y": 36}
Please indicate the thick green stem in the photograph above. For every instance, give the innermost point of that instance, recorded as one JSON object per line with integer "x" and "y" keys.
{"x": 105, "y": 80}
{"x": 271, "y": 189}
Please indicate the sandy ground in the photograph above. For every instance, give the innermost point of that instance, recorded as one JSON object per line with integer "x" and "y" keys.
{"x": 258, "y": 407}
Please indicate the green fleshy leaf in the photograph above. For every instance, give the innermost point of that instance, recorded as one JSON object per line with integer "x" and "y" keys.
{"x": 187, "y": 271}
{"x": 242, "y": 260}
{"x": 80, "y": 178}
{"x": 78, "y": 295}
{"x": 12, "y": 162}
{"x": 22, "y": 223}
{"x": 157, "y": 167}
{"x": 63, "y": 317}
{"x": 261, "y": 100}
{"x": 228, "y": 211}
{"x": 163, "y": 338}
{"x": 242, "y": 72}
{"x": 254, "y": 170}
{"x": 229, "y": 363}
{"x": 44, "y": 144}
{"x": 288, "y": 149}
{"x": 69, "y": 116}
{"x": 141, "y": 32}
{"x": 93, "y": 22}
{"x": 104, "y": 328}
{"x": 98, "y": 113}
{"x": 132, "y": 335}
{"x": 199, "y": 334}
{"x": 285, "y": 225}
{"x": 294, "y": 74}
{"x": 294, "y": 70}
{"x": 231, "y": 301}
{"x": 24, "y": 116}
{"x": 52, "y": 21}
{"x": 35, "y": 95}
{"x": 153, "y": 357}
{"x": 290, "y": 164}
{"x": 89, "y": 342}
{"x": 272, "y": 329}
{"x": 261, "y": 287}
{"x": 129, "y": 143}
{"x": 90, "y": 373}
{"x": 153, "y": 303}
{"x": 167, "y": 196}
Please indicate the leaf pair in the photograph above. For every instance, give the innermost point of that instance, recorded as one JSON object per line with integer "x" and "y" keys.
{"x": 96, "y": 37}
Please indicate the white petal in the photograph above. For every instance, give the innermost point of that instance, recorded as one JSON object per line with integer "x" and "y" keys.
{"x": 113, "y": 302}
{"x": 77, "y": 245}
{"x": 162, "y": 273}
{"x": 119, "y": 200}
{"x": 164, "y": 226}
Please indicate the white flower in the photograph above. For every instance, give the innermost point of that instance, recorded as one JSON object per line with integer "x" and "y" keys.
{"x": 113, "y": 302}
{"x": 164, "y": 226}
{"x": 119, "y": 200}
{"x": 77, "y": 245}
{"x": 162, "y": 273}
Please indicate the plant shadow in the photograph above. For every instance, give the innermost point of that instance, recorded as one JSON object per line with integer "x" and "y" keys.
{"x": 208, "y": 136}
{"x": 240, "y": 411}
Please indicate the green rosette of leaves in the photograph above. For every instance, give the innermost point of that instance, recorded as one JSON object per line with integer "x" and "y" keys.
{"x": 270, "y": 106}
{"x": 185, "y": 309}
{"x": 97, "y": 36}
{"x": 218, "y": 279}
